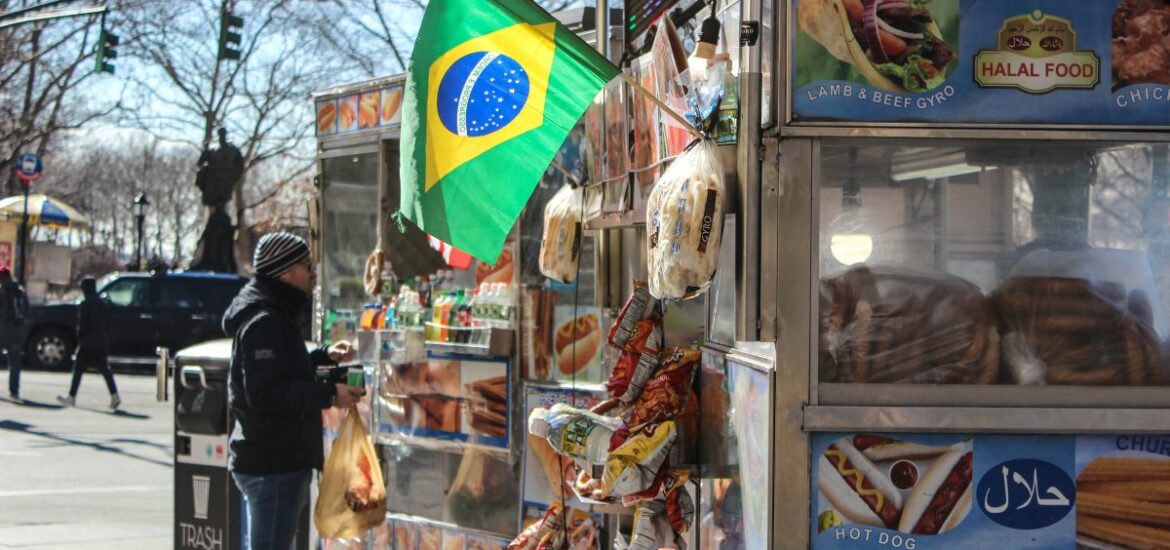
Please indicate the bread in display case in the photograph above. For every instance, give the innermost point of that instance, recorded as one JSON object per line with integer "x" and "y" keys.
{"x": 988, "y": 264}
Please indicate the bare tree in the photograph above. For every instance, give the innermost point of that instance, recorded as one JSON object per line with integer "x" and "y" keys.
{"x": 181, "y": 91}
{"x": 44, "y": 79}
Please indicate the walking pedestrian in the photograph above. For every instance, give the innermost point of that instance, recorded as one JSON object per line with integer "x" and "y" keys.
{"x": 13, "y": 312}
{"x": 93, "y": 344}
{"x": 274, "y": 394}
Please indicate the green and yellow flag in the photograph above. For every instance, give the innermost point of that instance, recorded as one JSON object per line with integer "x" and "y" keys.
{"x": 494, "y": 88}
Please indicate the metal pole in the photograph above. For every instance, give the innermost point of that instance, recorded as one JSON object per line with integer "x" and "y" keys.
{"x": 24, "y": 237}
{"x": 138, "y": 245}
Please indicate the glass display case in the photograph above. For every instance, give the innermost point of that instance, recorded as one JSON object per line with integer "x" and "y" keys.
{"x": 1023, "y": 263}
{"x": 349, "y": 225}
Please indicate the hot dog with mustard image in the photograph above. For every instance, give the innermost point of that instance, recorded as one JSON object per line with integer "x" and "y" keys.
{"x": 895, "y": 44}
{"x": 857, "y": 488}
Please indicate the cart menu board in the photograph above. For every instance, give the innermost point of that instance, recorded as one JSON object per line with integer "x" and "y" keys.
{"x": 960, "y": 491}
{"x": 450, "y": 398}
{"x": 364, "y": 110}
{"x": 981, "y": 62}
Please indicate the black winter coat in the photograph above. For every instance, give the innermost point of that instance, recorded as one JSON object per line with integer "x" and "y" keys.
{"x": 13, "y": 304}
{"x": 273, "y": 391}
{"x": 93, "y": 339}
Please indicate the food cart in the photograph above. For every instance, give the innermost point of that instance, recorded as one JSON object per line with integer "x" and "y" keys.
{"x": 971, "y": 304}
{"x": 939, "y": 316}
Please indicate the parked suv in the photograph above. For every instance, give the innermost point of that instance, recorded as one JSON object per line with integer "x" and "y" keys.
{"x": 145, "y": 311}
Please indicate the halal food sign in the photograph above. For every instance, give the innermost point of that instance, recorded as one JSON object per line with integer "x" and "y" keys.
{"x": 1037, "y": 53}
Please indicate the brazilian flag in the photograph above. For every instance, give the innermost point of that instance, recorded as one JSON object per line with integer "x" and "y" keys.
{"x": 493, "y": 90}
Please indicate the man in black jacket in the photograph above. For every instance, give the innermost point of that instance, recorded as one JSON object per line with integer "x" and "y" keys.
{"x": 13, "y": 312}
{"x": 274, "y": 395}
{"x": 93, "y": 344}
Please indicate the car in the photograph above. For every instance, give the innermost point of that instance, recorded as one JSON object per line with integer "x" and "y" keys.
{"x": 145, "y": 310}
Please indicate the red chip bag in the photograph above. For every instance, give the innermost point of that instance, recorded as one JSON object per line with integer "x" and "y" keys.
{"x": 638, "y": 361}
{"x": 665, "y": 395}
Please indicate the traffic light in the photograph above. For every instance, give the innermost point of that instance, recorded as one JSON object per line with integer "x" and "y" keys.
{"x": 105, "y": 52}
{"x": 229, "y": 36}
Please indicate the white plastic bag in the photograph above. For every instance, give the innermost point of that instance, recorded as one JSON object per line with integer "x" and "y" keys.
{"x": 684, "y": 223}
{"x": 560, "y": 246}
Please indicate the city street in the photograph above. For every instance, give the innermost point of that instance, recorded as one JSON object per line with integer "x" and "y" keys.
{"x": 85, "y": 477}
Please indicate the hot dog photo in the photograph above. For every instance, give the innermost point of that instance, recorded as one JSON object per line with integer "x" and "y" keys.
{"x": 577, "y": 342}
{"x": 895, "y": 45}
{"x": 326, "y": 117}
{"x": 878, "y": 481}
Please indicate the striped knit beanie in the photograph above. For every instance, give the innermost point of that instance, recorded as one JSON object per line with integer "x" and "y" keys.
{"x": 278, "y": 252}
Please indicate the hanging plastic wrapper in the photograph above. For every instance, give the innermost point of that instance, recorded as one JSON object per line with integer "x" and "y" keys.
{"x": 684, "y": 219}
{"x": 561, "y": 243}
{"x": 1080, "y": 317}
{"x": 352, "y": 496}
{"x": 883, "y": 325}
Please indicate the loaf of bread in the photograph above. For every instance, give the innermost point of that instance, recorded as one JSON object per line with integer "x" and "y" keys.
{"x": 561, "y": 241}
{"x": 684, "y": 223}
{"x": 884, "y": 326}
{"x": 1061, "y": 330}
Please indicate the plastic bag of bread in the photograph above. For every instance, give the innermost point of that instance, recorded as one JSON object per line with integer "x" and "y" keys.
{"x": 561, "y": 242}
{"x": 684, "y": 221}
{"x": 883, "y": 325}
{"x": 352, "y": 496}
{"x": 1080, "y": 317}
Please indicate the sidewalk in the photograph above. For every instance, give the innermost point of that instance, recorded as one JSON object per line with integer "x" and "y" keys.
{"x": 85, "y": 477}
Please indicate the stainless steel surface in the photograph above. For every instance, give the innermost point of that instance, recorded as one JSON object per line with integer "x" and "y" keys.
{"x": 601, "y": 259}
{"x": 791, "y": 493}
{"x": 747, "y": 358}
{"x": 958, "y": 131}
{"x": 194, "y": 371}
{"x": 609, "y": 274}
{"x": 1038, "y": 420}
{"x": 785, "y": 27}
{"x": 770, "y": 278}
{"x": 349, "y": 144}
{"x": 882, "y": 395}
{"x": 161, "y": 368}
{"x": 747, "y": 170}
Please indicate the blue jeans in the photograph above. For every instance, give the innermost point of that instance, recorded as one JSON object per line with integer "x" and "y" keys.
{"x": 273, "y": 505}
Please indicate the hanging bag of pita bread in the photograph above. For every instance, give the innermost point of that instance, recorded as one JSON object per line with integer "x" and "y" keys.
{"x": 560, "y": 246}
{"x": 684, "y": 223}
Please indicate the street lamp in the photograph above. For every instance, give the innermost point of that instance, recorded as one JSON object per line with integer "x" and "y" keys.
{"x": 140, "y": 204}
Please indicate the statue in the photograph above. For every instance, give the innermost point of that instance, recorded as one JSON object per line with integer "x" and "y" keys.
{"x": 216, "y": 250}
{"x": 220, "y": 171}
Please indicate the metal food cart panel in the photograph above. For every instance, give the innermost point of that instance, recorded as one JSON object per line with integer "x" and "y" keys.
{"x": 1111, "y": 103}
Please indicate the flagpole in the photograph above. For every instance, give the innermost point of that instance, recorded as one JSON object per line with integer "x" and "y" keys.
{"x": 661, "y": 105}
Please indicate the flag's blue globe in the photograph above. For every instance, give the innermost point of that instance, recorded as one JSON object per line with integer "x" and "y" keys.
{"x": 481, "y": 93}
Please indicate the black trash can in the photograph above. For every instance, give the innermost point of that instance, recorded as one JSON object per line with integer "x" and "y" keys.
{"x": 208, "y": 506}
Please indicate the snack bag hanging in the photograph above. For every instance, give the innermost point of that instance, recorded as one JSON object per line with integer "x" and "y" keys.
{"x": 684, "y": 221}
{"x": 352, "y": 496}
{"x": 561, "y": 243}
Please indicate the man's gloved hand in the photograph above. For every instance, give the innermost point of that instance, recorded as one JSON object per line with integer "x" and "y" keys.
{"x": 341, "y": 352}
{"x": 347, "y": 396}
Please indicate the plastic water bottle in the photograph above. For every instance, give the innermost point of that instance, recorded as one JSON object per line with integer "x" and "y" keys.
{"x": 727, "y": 118}
{"x": 574, "y": 432}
